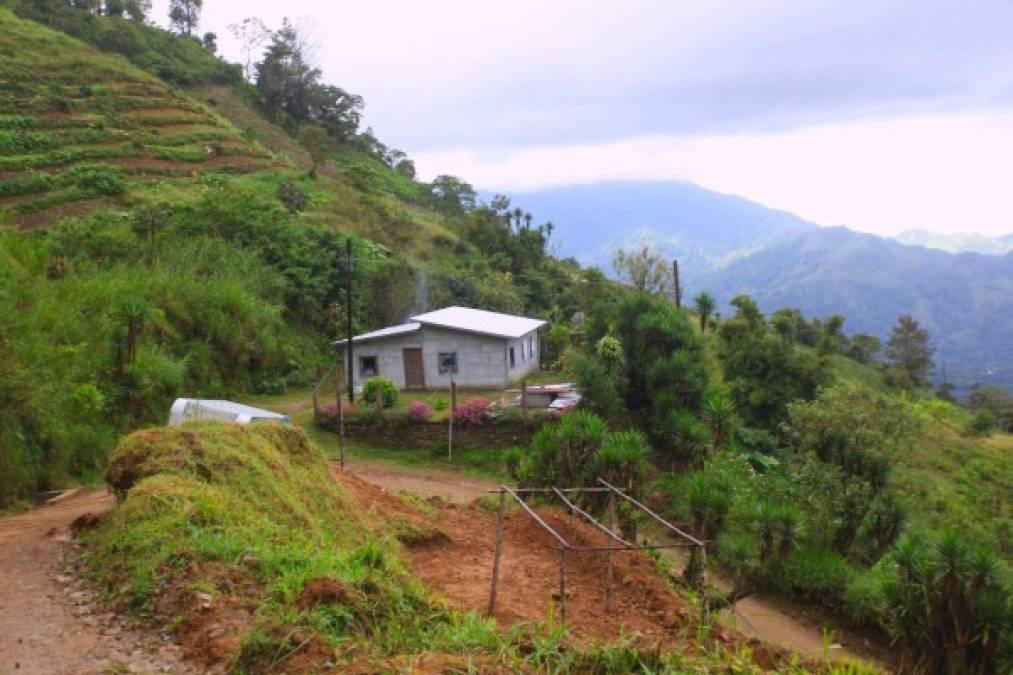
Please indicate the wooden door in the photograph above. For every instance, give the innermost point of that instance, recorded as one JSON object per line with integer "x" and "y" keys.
{"x": 414, "y": 371}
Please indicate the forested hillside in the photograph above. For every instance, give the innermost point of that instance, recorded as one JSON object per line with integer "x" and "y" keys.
{"x": 153, "y": 248}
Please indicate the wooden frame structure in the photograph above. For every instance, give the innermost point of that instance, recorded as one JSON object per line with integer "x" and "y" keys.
{"x": 616, "y": 542}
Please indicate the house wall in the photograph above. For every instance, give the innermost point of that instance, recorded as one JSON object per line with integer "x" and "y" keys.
{"x": 525, "y": 356}
{"x": 482, "y": 360}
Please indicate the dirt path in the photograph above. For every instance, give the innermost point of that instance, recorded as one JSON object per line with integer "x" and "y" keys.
{"x": 790, "y": 627}
{"x": 48, "y": 623}
{"x": 451, "y": 485}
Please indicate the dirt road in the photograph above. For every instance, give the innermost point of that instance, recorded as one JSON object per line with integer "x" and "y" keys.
{"x": 450, "y": 485}
{"x": 49, "y": 623}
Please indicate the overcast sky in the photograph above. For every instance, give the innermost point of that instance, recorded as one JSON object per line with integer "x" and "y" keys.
{"x": 880, "y": 115}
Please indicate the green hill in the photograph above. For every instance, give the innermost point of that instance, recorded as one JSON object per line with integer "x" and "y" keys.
{"x": 949, "y": 478}
{"x": 81, "y": 129}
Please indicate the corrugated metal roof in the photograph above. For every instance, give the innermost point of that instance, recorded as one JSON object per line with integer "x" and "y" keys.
{"x": 382, "y": 333}
{"x": 480, "y": 321}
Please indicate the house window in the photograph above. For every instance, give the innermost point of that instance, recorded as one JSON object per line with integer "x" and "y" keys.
{"x": 368, "y": 366}
{"x": 513, "y": 359}
{"x": 531, "y": 346}
{"x": 448, "y": 362}
{"x": 524, "y": 353}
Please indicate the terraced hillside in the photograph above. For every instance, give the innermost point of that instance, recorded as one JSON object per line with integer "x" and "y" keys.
{"x": 81, "y": 129}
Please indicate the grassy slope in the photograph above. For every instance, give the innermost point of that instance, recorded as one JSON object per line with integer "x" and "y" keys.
{"x": 951, "y": 479}
{"x": 64, "y": 103}
{"x": 241, "y": 542}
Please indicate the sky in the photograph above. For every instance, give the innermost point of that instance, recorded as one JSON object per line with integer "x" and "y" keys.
{"x": 883, "y": 115}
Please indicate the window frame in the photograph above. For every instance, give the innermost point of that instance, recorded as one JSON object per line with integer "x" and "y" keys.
{"x": 375, "y": 369}
{"x": 441, "y": 366}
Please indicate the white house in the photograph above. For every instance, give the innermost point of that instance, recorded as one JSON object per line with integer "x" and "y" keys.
{"x": 478, "y": 349}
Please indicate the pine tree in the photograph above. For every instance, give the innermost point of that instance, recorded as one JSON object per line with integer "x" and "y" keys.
{"x": 909, "y": 350}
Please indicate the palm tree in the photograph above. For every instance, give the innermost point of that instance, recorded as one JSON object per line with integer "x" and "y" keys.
{"x": 705, "y": 307}
{"x": 718, "y": 413}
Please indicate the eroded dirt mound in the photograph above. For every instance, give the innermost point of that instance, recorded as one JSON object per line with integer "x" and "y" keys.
{"x": 461, "y": 569}
{"x": 210, "y": 623}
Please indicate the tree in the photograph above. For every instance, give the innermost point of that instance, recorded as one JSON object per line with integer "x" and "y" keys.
{"x": 251, "y": 34}
{"x": 910, "y": 352}
{"x": 705, "y": 305}
{"x": 832, "y": 338}
{"x": 643, "y": 268}
{"x": 184, "y": 15}
{"x": 863, "y": 348}
{"x": 210, "y": 42}
{"x": 317, "y": 143}
{"x": 286, "y": 79}
{"x": 453, "y": 195}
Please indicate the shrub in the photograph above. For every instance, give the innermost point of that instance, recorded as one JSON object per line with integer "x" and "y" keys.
{"x": 474, "y": 413}
{"x": 329, "y": 414}
{"x": 816, "y": 572}
{"x": 982, "y": 423}
{"x": 420, "y": 411}
{"x": 98, "y": 179}
{"x": 382, "y": 390}
{"x": 292, "y": 197}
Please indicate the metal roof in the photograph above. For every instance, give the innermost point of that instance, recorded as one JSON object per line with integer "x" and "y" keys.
{"x": 480, "y": 321}
{"x": 390, "y": 331}
{"x": 458, "y": 318}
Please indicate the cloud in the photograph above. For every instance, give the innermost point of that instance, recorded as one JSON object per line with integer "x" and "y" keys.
{"x": 448, "y": 73}
{"x": 940, "y": 172}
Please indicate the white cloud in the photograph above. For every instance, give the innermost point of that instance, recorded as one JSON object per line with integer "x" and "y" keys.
{"x": 943, "y": 173}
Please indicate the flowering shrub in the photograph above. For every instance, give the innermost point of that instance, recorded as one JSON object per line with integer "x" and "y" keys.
{"x": 329, "y": 412}
{"x": 420, "y": 411}
{"x": 474, "y": 413}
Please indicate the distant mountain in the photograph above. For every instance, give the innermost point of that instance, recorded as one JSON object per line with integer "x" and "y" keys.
{"x": 729, "y": 245}
{"x": 965, "y": 300}
{"x": 969, "y": 242}
{"x": 703, "y": 229}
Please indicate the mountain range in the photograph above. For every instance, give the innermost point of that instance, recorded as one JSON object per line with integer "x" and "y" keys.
{"x": 729, "y": 245}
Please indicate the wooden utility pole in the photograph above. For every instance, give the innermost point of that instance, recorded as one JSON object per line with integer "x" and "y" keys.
{"x": 676, "y": 288}
{"x": 348, "y": 296}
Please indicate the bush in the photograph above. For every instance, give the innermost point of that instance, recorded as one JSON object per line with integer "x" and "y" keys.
{"x": 98, "y": 179}
{"x": 420, "y": 411}
{"x": 982, "y": 423}
{"x": 816, "y": 572}
{"x": 474, "y": 413}
{"x": 292, "y": 197}
{"x": 380, "y": 390}
{"x": 329, "y": 414}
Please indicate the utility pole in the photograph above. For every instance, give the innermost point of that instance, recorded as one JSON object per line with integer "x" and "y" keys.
{"x": 675, "y": 284}
{"x": 348, "y": 295}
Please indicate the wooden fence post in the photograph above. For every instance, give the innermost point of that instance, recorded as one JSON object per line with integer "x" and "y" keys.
{"x": 524, "y": 410}
{"x": 453, "y": 411}
{"x": 496, "y": 555}
{"x": 341, "y": 425}
{"x": 316, "y": 388}
{"x": 562, "y": 584}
